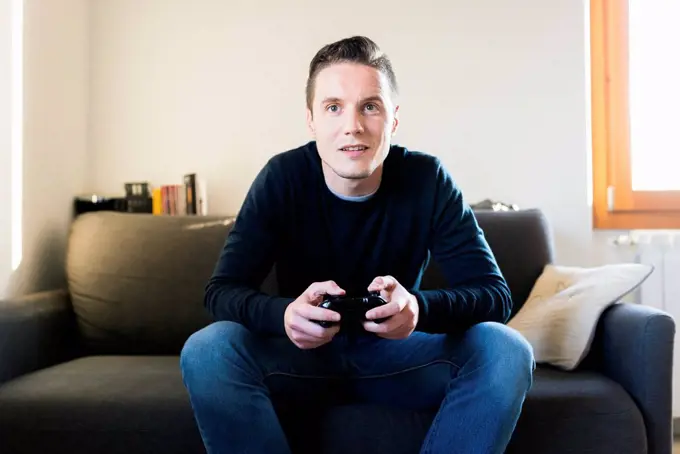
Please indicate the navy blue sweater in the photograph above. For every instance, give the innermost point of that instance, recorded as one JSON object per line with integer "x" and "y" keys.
{"x": 291, "y": 218}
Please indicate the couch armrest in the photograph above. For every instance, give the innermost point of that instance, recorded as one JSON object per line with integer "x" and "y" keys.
{"x": 36, "y": 331}
{"x": 634, "y": 347}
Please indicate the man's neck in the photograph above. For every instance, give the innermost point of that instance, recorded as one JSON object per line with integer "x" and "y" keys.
{"x": 352, "y": 187}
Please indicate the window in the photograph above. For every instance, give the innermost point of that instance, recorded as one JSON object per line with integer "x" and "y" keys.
{"x": 635, "y": 113}
{"x": 11, "y": 138}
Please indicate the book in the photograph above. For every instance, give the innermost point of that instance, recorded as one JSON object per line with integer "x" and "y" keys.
{"x": 187, "y": 198}
{"x": 190, "y": 192}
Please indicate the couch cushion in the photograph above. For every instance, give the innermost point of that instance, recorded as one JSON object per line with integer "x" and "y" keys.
{"x": 565, "y": 412}
{"x": 117, "y": 404}
{"x": 100, "y": 404}
{"x": 137, "y": 281}
{"x": 578, "y": 412}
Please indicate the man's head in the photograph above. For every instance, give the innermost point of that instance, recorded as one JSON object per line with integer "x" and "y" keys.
{"x": 351, "y": 101}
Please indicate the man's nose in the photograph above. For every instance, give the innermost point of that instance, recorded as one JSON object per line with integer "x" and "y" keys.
{"x": 353, "y": 123}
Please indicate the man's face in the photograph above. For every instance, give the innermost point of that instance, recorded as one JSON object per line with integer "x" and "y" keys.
{"x": 353, "y": 118}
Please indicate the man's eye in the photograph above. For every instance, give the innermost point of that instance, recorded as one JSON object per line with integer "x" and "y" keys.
{"x": 332, "y": 108}
{"x": 371, "y": 107}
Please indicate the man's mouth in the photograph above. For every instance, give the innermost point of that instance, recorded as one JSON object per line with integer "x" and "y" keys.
{"x": 354, "y": 148}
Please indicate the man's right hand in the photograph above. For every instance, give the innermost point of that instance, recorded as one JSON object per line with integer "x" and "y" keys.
{"x": 297, "y": 319}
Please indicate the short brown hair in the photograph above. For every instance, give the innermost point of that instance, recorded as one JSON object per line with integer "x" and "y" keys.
{"x": 357, "y": 49}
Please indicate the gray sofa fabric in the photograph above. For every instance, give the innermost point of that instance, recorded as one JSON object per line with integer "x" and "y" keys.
{"x": 104, "y": 403}
{"x": 94, "y": 368}
{"x": 635, "y": 348}
{"x": 36, "y": 331}
{"x": 141, "y": 399}
{"x": 136, "y": 282}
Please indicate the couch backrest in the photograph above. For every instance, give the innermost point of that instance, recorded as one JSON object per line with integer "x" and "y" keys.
{"x": 137, "y": 281}
{"x": 522, "y": 244}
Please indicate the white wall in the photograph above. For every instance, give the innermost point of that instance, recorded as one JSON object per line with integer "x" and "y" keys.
{"x": 55, "y": 135}
{"x": 497, "y": 89}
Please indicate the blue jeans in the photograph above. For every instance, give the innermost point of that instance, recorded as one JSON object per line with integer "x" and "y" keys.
{"x": 478, "y": 380}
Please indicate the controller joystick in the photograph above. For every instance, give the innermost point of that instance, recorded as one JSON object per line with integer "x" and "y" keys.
{"x": 352, "y": 309}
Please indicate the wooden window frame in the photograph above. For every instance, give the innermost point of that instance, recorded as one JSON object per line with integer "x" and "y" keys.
{"x": 615, "y": 204}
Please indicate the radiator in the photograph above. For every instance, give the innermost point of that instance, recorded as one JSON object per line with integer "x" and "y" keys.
{"x": 662, "y": 289}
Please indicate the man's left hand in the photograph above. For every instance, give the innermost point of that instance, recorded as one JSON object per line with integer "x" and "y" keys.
{"x": 401, "y": 308}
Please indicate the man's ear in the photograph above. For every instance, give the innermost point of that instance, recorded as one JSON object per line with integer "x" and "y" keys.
{"x": 395, "y": 122}
{"x": 310, "y": 123}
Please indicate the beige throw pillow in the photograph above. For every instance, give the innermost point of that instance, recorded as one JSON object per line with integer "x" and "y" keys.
{"x": 560, "y": 316}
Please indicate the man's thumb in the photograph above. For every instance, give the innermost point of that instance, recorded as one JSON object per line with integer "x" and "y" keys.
{"x": 334, "y": 288}
{"x": 328, "y": 287}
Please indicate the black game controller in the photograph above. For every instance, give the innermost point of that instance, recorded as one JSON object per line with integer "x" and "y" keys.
{"x": 352, "y": 310}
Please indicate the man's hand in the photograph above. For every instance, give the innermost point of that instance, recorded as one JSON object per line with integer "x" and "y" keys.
{"x": 297, "y": 319}
{"x": 401, "y": 307}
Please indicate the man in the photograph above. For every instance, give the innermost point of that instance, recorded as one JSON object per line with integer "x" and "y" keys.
{"x": 347, "y": 214}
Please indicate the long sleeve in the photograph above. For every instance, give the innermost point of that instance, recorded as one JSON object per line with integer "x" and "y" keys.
{"x": 477, "y": 291}
{"x": 248, "y": 255}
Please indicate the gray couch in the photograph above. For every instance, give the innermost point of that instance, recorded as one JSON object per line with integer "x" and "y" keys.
{"x": 93, "y": 368}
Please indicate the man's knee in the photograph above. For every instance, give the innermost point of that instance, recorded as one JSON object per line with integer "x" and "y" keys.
{"x": 508, "y": 356}
{"x": 209, "y": 346}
